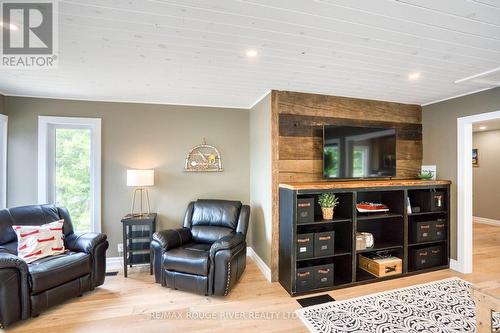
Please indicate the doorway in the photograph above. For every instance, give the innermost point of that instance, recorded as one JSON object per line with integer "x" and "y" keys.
{"x": 463, "y": 263}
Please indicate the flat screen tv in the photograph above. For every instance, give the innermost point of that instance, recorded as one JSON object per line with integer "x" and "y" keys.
{"x": 358, "y": 152}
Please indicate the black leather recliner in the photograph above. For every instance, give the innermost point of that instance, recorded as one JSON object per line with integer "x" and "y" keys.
{"x": 28, "y": 289}
{"x": 208, "y": 255}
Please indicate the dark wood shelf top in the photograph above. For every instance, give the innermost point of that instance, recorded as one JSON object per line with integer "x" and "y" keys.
{"x": 375, "y": 216}
{"x": 146, "y": 251}
{"x": 428, "y": 213}
{"x": 362, "y": 275}
{"x": 430, "y": 269}
{"x": 382, "y": 246}
{"x": 428, "y": 243}
{"x": 344, "y": 184}
{"x": 337, "y": 254}
{"x": 138, "y": 234}
{"x": 326, "y": 222}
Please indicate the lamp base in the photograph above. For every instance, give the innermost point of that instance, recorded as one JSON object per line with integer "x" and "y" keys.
{"x": 141, "y": 212}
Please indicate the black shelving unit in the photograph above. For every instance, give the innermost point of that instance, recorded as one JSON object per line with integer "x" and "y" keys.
{"x": 391, "y": 232}
{"x": 137, "y": 235}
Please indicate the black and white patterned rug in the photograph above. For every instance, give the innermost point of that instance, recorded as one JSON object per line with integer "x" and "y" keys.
{"x": 441, "y": 306}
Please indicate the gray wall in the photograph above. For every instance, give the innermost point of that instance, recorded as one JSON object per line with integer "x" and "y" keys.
{"x": 137, "y": 136}
{"x": 485, "y": 177}
{"x": 260, "y": 178}
{"x": 440, "y": 138}
{"x": 2, "y": 98}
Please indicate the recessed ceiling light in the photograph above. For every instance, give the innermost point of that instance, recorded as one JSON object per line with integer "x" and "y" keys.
{"x": 414, "y": 76}
{"x": 482, "y": 128}
{"x": 252, "y": 53}
{"x": 10, "y": 26}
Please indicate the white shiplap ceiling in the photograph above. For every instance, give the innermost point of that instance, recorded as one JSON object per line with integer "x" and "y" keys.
{"x": 193, "y": 52}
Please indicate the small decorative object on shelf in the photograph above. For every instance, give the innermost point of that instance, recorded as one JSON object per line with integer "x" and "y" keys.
{"x": 425, "y": 175}
{"x": 364, "y": 240}
{"x": 371, "y": 207}
{"x": 328, "y": 202}
{"x": 427, "y": 172}
{"x": 203, "y": 158}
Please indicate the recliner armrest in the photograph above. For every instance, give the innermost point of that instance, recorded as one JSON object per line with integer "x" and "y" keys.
{"x": 95, "y": 245}
{"x": 170, "y": 239}
{"x": 85, "y": 242}
{"x": 10, "y": 261}
{"x": 227, "y": 243}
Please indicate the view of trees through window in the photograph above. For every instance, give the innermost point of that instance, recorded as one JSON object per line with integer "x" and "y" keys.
{"x": 73, "y": 174}
{"x": 331, "y": 161}
{"x": 358, "y": 159}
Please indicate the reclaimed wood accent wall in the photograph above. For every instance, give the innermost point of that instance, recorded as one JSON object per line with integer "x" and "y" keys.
{"x": 297, "y": 137}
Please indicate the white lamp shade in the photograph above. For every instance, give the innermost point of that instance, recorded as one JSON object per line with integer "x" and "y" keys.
{"x": 140, "y": 178}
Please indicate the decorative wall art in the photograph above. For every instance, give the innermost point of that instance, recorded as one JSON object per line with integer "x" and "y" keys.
{"x": 475, "y": 161}
{"x": 203, "y": 158}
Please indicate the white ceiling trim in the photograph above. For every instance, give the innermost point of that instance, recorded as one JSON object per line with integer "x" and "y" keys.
{"x": 478, "y": 75}
{"x": 457, "y": 96}
{"x": 125, "y": 101}
{"x": 222, "y": 106}
{"x": 260, "y": 99}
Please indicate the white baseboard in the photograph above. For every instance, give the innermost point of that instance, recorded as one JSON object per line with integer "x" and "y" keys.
{"x": 260, "y": 263}
{"x": 484, "y": 220}
{"x": 454, "y": 265}
{"x": 113, "y": 263}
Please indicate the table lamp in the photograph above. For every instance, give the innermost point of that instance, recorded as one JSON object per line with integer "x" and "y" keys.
{"x": 140, "y": 179}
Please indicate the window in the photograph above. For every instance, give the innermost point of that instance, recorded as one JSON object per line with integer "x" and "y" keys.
{"x": 3, "y": 161}
{"x": 360, "y": 161}
{"x": 69, "y": 168}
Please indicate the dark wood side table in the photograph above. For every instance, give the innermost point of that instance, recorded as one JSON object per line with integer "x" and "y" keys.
{"x": 137, "y": 235}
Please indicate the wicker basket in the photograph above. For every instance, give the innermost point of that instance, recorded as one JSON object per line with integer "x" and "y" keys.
{"x": 327, "y": 213}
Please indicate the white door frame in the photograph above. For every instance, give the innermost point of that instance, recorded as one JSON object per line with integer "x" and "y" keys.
{"x": 4, "y": 120}
{"x": 94, "y": 124}
{"x": 463, "y": 263}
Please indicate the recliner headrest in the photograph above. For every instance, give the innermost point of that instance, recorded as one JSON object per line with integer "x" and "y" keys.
{"x": 29, "y": 215}
{"x": 220, "y": 213}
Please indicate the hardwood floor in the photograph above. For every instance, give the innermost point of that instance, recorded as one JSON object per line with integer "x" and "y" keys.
{"x": 137, "y": 304}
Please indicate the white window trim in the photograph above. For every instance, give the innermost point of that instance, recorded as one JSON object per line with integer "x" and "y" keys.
{"x": 94, "y": 124}
{"x": 4, "y": 121}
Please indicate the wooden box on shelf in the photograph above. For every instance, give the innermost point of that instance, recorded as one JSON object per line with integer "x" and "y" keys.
{"x": 381, "y": 267}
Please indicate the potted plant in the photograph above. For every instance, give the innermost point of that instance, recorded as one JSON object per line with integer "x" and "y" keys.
{"x": 327, "y": 202}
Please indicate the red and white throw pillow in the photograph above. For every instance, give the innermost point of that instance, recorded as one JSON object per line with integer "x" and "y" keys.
{"x": 37, "y": 242}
